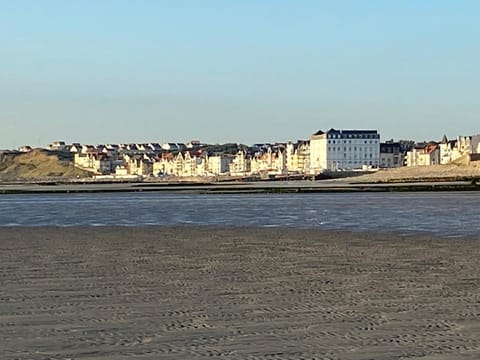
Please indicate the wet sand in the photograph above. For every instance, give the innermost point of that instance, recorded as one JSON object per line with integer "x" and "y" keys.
{"x": 200, "y": 292}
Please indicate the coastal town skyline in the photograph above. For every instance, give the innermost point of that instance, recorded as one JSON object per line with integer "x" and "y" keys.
{"x": 331, "y": 150}
{"x": 184, "y": 140}
{"x": 243, "y": 72}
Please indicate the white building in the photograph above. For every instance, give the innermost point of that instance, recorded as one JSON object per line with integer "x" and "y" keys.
{"x": 57, "y": 146}
{"x": 451, "y": 150}
{"x": 219, "y": 164}
{"x": 448, "y": 151}
{"x": 468, "y": 144}
{"x": 344, "y": 150}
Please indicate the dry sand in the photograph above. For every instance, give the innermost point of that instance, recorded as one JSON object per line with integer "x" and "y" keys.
{"x": 182, "y": 293}
{"x": 422, "y": 173}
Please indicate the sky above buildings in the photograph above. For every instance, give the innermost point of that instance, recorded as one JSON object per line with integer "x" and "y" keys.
{"x": 100, "y": 71}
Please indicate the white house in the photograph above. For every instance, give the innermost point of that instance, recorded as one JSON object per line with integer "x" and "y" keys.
{"x": 25, "y": 148}
{"x": 448, "y": 151}
{"x": 76, "y": 148}
{"x": 57, "y": 146}
{"x": 170, "y": 147}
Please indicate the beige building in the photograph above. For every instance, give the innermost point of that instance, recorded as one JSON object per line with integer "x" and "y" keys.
{"x": 185, "y": 164}
{"x": 164, "y": 165}
{"x": 424, "y": 155}
{"x": 219, "y": 164}
{"x": 138, "y": 164}
{"x": 298, "y": 157}
{"x": 241, "y": 164}
{"x": 269, "y": 163}
{"x": 451, "y": 150}
{"x": 95, "y": 162}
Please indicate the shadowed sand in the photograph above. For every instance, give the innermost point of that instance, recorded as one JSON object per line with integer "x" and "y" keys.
{"x": 236, "y": 293}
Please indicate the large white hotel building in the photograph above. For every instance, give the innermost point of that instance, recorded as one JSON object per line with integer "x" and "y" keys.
{"x": 344, "y": 150}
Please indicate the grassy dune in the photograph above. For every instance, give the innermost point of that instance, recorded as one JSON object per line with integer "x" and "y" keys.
{"x": 37, "y": 165}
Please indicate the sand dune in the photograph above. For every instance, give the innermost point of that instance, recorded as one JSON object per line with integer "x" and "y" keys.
{"x": 423, "y": 173}
{"x": 181, "y": 293}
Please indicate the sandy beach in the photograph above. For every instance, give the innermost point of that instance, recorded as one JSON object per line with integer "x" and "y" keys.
{"x": 236, "y": 293}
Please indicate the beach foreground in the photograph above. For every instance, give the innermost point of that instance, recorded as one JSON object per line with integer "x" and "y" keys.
{"x": 236, "y": 293}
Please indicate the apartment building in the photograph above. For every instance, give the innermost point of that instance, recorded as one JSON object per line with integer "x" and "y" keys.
{"x": 344, "y": 150}
{"x": 391, "y": 155}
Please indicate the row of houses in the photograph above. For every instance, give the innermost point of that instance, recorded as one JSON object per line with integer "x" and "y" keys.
{"x": 334, "y": 150}
{"x": 330, "y": 150}
{"x": 132, "y": 147}
{"x": 443, "y": 152}
{"x": 184, "y": 164}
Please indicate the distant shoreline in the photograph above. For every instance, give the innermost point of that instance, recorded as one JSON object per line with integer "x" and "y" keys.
{"x": 299, "y": 186}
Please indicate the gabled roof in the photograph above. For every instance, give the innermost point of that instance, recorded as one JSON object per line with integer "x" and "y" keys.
{"x": 431, "y": 147}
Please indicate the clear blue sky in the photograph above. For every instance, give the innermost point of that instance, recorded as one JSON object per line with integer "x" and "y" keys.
{"x": 245, "y": 71}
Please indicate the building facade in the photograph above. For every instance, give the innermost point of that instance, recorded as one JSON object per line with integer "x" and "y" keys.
{"x": 344, "y": 150}
{"x": 391, "y": 155}
{"x": 424, "y": 155}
